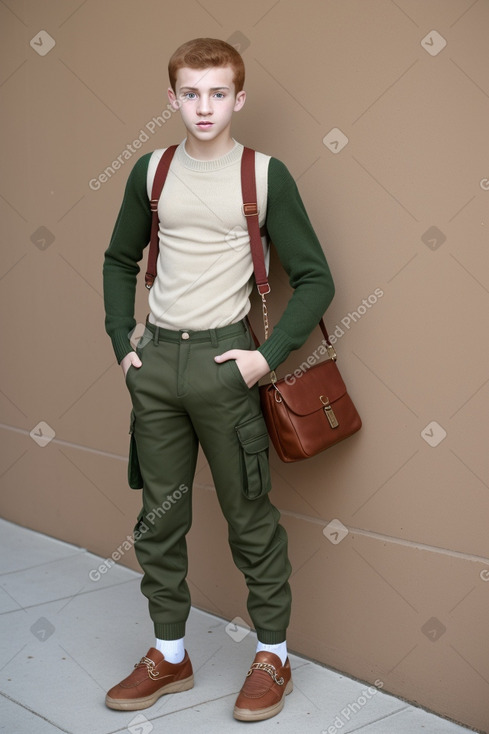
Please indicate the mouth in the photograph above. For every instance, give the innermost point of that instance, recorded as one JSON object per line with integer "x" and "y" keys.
{"x": 204, "y": 125}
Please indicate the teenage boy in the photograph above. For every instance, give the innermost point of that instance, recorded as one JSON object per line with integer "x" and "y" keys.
{"x": 193, "y": 377}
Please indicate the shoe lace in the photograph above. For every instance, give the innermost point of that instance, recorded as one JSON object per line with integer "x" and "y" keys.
{"x": 150, "y": 665}
{"x": 268, "y": 668}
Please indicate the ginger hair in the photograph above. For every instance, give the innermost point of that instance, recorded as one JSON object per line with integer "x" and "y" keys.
{"x": 203, "y": 53}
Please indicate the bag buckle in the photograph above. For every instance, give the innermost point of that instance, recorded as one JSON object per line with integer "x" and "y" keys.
{"x": 329, "y": 412}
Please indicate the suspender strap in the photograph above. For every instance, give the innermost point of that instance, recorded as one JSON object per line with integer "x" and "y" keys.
{"x": 250, "y": 210}
{"x": 158, "y": 183}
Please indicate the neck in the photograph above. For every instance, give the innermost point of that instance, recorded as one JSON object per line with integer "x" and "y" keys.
{"x": 204, "y": 150}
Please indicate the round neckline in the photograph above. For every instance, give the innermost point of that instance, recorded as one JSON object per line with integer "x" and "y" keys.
{"x": 215, "y": 164}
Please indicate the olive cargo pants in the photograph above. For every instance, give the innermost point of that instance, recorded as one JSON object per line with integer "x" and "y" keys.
{"x": 181, "y": 398}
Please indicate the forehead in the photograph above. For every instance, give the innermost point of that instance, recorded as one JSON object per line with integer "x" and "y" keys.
{"x": 202, "y": 79}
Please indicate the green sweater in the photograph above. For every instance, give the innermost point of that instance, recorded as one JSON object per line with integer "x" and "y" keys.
{"x": 289, "y": 229}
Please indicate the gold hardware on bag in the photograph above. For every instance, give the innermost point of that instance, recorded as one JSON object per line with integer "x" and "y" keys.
{"x": 332, "y": 419}
{"x": 331, "y": 352}
{"x": 265, "y": 314}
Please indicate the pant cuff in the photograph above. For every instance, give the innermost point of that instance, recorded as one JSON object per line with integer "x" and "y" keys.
{"x": 169, "y": 631}
{"x": 270, "y": 637}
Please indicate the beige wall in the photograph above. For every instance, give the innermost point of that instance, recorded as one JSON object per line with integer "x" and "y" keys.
{"x": 404, "y": 596}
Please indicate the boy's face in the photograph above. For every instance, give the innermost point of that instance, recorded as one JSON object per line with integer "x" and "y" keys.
{"x": 207, "y": 100}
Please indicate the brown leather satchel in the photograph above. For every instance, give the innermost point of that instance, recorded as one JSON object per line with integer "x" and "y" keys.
{"x": 307, "y": 414}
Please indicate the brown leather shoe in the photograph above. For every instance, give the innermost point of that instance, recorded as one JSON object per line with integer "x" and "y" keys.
{"x": 152, "y": 677}
{"x": 266, "y": 685}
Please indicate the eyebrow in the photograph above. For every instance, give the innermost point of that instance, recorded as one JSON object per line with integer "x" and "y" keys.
{"x": 195, "y": 89}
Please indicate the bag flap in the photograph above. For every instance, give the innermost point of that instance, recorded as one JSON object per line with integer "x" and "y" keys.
{"x": 303, "y": 394}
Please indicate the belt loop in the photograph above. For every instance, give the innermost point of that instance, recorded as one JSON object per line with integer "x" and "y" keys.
{"x": 213, "y": 335}
{"x": 156, "y": 336}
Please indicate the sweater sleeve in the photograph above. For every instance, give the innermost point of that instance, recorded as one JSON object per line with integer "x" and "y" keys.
{"x": 303, "y": 259}
{"x": 130, "y": 236}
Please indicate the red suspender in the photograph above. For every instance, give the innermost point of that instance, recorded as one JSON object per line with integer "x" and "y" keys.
{"x": 158, "y": 183}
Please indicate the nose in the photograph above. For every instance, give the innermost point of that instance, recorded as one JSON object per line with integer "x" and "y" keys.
{"x": 204, "y": 105}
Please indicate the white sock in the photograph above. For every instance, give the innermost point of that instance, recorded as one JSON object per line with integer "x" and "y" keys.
{"x": 173, "y": 650}
{"x": 280, "y": 649}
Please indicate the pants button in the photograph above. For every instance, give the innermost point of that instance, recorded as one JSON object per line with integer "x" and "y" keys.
{"x": 185, "y": 335}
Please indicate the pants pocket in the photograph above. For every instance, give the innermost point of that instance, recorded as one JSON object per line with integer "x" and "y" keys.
{"x": 255, "y": 470}
{"x": 134, "y": 476}
{"x": 237, "y": 373}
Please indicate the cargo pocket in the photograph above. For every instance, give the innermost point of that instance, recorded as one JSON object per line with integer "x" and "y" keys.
{"x": 134, "y": 477}
{"x": 255, "y": 469}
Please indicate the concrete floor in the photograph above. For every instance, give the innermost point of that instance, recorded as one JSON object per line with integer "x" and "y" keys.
{"x": 65, "y": 639}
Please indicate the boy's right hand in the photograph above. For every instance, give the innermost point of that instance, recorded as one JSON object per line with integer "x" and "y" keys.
{"x": 130, "y": 359}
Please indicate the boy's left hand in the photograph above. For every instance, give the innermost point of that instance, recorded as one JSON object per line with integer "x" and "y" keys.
{"x": 251, "y": 363}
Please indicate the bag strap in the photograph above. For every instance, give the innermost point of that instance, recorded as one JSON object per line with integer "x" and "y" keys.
{"x": 250, "y": 209}
{"x": 158, "y": 183}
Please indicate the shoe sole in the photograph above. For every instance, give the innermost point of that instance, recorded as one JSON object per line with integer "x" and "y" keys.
{"x": 261, "y": 714}
{"x": 136, "y": 704}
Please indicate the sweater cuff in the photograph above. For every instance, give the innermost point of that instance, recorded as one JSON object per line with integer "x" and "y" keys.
{"x": 276, "y": 349}
{"x": 121, "y": 344}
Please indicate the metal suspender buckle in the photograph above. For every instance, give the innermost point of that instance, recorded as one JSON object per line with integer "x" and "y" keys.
{"x": 250, "y": 210}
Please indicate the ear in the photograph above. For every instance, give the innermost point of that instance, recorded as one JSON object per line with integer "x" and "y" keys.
{"x": 173, "y": 99}
{"x": 240, "y": 100}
